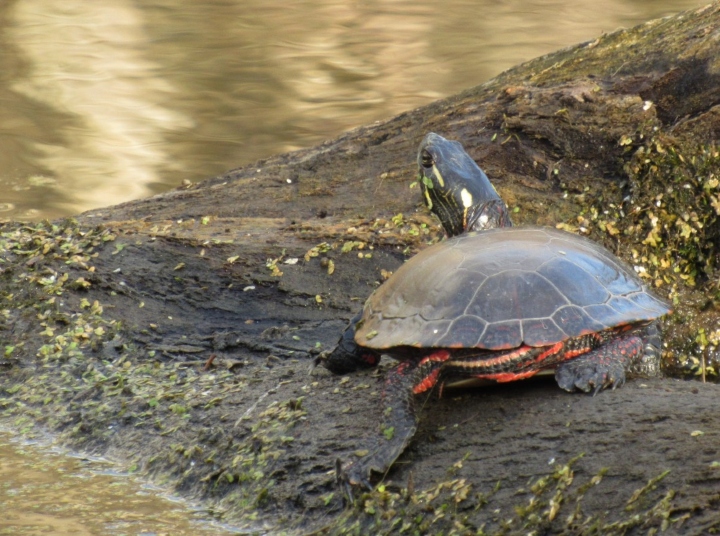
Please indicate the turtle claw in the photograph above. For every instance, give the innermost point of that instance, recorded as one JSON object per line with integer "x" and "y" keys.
{"x": 321, "y": 357}
{"x": 349, "y": 478}
{"x": 601, "y": 368}
{"x": 342, "y": 481}
{"x": 589, "y": 377}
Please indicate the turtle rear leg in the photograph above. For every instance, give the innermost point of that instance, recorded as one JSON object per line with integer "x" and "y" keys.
{"x": 648, "y": 366}
{"x": 399, "y": 417}
{"x": 347, "y": 356}
{"x": 602, "y": 367}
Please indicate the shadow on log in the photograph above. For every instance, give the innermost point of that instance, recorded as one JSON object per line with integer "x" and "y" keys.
{"x": 175, "y": 333}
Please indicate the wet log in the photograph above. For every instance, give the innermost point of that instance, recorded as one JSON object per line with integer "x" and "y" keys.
{"x": 175, "y": 333}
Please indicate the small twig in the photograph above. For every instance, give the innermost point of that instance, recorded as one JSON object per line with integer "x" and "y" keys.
{"x": 186, "y": 364}
{"x": 410, "y": 486}
{"x": 618, "y": 69}
{"x": 209, "y": 362}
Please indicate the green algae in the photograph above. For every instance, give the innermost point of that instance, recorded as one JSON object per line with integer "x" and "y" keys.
{"x": 548, "y": 504}
{"x": 666, "y": 215}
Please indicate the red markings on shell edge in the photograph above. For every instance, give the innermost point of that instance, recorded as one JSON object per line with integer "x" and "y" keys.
{"x": 565, "y": 351}
{"x": 436, "y": 357}
{"x": 554, "y": 349}
{"x": 494, "y": 361}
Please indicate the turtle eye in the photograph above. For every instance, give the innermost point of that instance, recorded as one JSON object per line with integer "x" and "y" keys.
{"x": 426, "y": 159}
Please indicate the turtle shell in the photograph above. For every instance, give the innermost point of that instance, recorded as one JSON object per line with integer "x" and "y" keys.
{"x": 502, "y": 288}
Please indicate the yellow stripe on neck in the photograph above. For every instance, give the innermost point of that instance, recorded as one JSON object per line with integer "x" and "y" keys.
{"x": 441, "y": 181}
{"x": 427, "y": 197}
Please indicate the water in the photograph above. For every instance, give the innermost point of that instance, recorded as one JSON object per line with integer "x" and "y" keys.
{"x": 45, "y": 492}
{"x": 104, "y": 102}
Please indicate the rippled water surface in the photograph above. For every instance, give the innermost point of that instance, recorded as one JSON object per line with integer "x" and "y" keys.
{"x": 46, "y": 493}
{"x": 109, "y": 101}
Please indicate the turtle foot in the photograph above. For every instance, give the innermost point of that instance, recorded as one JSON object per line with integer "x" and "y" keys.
{"x": 347, "y": 356}
{"x": 581, "y": 375}
{"x": 352, "y": 477}
{"x": 600, "y": 368}
{"x": 398, "y": 426}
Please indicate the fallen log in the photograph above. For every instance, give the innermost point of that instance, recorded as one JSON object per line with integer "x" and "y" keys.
{"x": 175, "y": 333}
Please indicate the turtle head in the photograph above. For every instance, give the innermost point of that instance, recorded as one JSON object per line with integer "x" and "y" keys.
{"x": 456, "y": 190}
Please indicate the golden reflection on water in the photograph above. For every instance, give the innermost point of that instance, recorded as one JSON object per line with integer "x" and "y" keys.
{"x": 87, "y": 61}
{"x": 42, "y": 493}
{"x": 110, "y": 101}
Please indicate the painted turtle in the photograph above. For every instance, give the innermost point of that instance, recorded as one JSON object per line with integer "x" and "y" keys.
{"x": 494, "y": 302}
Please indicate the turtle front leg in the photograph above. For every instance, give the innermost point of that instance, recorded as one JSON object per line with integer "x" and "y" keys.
{"x": 347, "y": 356}
{"x": 602, "y": 367}
{"x": 399, "y": 418}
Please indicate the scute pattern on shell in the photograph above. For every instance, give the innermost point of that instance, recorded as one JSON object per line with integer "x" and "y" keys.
{"x": 502, "y": 288}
